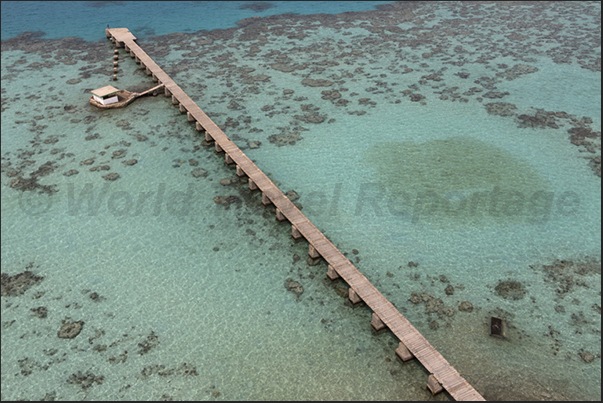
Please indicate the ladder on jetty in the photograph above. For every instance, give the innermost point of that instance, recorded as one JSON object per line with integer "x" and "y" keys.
{"x": 385, "y": 314}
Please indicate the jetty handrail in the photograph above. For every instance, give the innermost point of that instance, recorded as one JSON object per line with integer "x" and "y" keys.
{"x": 140, "y": 94}
{"x": 319, "y": 245}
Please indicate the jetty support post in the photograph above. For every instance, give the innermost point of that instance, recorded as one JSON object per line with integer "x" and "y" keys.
{"x": 433, "y": 385}
{"x": 199, "y": 127}
{"x": 353, "y": 296}
{"x": 228, "y": 159}
{"x": 265, "y": 199}
{"x": 404, "y": 353}
{"x": 280, "y": 216}
{"x": 240, "y": 171}
{"x": 182, "y": 108}
{"x": 174, "y": 100}
{"x": 295, "y": 232}
{"x": 376, "y": 322}
{"x": 332, "y": 273}
{"x": 313, "y": 252}
{"x": 252, "y": 184}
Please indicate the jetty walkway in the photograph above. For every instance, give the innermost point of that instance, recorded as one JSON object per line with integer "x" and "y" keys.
{"x": 412, "y": 343}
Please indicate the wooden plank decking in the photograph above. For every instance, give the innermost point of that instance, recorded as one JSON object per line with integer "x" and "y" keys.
{"x": 429, "y": 357}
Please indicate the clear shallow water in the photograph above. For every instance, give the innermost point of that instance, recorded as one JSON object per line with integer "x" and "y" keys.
{"x": 198, "y": 289}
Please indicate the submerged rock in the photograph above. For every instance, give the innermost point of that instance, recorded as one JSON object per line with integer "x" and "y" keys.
{"x": 226, "y": 200}
{"x": 198, "y": 172}
{"x": 228, "y": 181}
{"x": 85, "y": 380}
{"x": 294, "y": 286}
{"x": 119, "y": 153}
{"x": 510, "y": 290}
{"x": 256, "y": 6}
{"x": 466, "y": 306}
{"x": 316, "y": 83}
{"x": 70, "y": 329}
{"x": 292, "y": 195}
{"x": 148, "y": 344}
{"x": 416, "y": 97}
{"x": 19, "y": 283}
{"x": 516, "y": 71}
{"x": 111, "y": 177}
{"x": 25, "y": 184}
{"x": 500, "y": 108}
{"x": 41, "y": 312}
{"x": 588, "y": 357}
{"x": 285, "y": 139}
{"x": 282, "y": 67}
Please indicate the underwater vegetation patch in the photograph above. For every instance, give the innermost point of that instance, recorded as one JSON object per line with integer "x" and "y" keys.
{"x": 459, "y": 180}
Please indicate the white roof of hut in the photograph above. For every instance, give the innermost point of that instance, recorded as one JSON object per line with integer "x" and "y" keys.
{"x": 105, "y": 91}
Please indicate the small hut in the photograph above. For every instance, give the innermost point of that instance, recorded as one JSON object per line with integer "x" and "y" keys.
{"x": 106, "y": 95}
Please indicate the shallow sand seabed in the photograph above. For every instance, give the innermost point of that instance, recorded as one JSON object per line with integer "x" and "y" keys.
{"x": 452, "y": 150}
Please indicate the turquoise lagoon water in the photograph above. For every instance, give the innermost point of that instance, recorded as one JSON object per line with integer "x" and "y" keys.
{"x": 182, "y": 298}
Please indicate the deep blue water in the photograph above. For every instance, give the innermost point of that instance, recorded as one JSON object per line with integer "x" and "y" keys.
{"x": 87, "y": 19}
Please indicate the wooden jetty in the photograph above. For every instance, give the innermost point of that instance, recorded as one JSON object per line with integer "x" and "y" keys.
{"x": 412, "y": 343}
